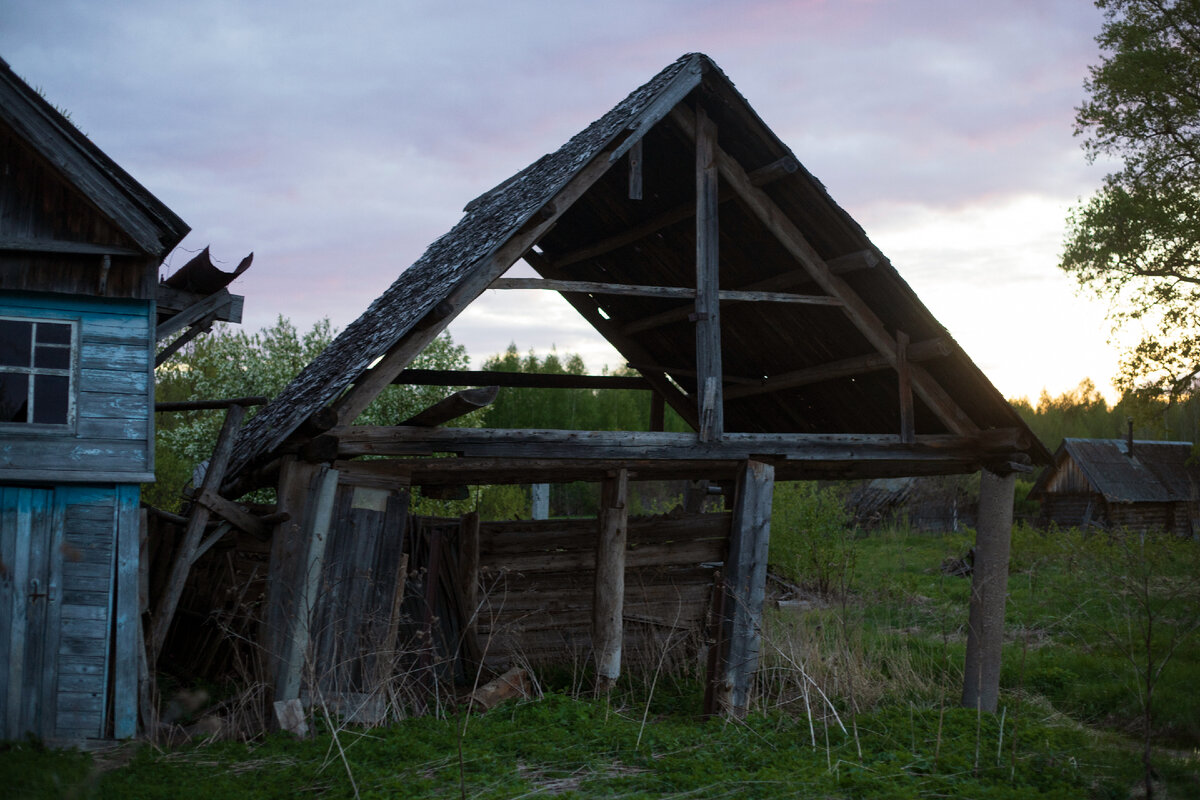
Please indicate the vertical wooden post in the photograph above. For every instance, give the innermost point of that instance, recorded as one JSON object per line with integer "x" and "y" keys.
{"x": 989, "y": 587}
{"x": 468, "y": 576}
{"x": 745, "y": 579}
{"x": 317, "y": 522}
{"x": 127, "y": 619}
{"x": 658, "y": 412}
{"x": 195, "y": 530}
{"x": 908, "y": 428}
{"x": 287, "y": 549}
{"x": 635, "y": 171}
{"x": 710, "y": 403}
{"x": 540, "y": 500}
{"x": 608, "y": 605}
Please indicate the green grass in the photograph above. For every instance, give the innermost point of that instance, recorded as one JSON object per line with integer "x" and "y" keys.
{"x": 889, "y": 657}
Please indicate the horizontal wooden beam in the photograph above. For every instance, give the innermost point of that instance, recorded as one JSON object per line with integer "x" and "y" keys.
{"x": 216, "y": 305}
{"x": 206, "y": 405}
{"x": 851, "y": 262}
{"x": 169, "y": 300}
{"x": 66, "y": 248}
{"x": 486, "y": 442}
{"x": 671, "y": 292}
{"x": 522, "y": 380}
{"x": 456, "y": 405}
{"x": 389, "y": 473}
{"x": 859, "y": 365}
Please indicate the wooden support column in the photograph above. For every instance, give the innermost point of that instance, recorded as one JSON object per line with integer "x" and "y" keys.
{"x": 318, "y": 519}
{"x": 908, "y": 429}
{"x": 989, "y": 588}
{"x": 708, "y": 319}
{"x": 745, "y": 581}
{"x": 608, "y": 605}
{"x": 186, "y": 553}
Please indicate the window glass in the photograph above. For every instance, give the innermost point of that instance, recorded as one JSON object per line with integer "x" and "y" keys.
{"x": 51, "y": 395}
{"x": 53, "y": 333}
{"x": 14, "y": 397}
{"x": 37, "y": 372}
{"x": 52, "y": 357}
{"x": 15, "y": 338}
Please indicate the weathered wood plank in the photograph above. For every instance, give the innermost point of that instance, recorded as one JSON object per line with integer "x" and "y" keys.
{"x": 127, "y": 619}
{"x": 745, "y": 580}
{"x": 441, "y": 377}
{"x": 844, "y": 368}
{"x": 668, "y": 292}
{"x": 131, "y": 357}
{"x": 164, "y": 613}
{"x": 113, "y": 381}
{"x": 708, "y": 314}
{"x": 456, "y": 405}
{"x": 908, "y": 431}
{"x": 109, "y": 455}
{"x": 609, "y": 587}
{"x": 635, "y": 171}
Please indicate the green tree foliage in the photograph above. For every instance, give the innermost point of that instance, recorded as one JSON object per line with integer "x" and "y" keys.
{"x": 812, "y": 539}
{"x": 1136, "y": 242}
{"x": 229, "y": 362}
{"x": 570, "y": 409}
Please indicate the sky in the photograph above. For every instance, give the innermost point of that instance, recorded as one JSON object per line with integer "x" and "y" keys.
{"x": 338, "y": 140}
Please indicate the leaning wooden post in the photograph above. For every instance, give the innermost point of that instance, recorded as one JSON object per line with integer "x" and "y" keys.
{"x": 608, "y": 606}
{"x": 191, "y": 537}
{"x": 745, "y": 581}
{"x": 989, "y": 588}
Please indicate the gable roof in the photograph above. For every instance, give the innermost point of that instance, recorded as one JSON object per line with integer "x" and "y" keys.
{"x": 151, "y": 226}
{"x": 809, "y": 368}
{"x": 1158, "y": 472}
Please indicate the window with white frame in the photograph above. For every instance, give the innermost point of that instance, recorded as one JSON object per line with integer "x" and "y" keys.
{"x": 37, "y": 372}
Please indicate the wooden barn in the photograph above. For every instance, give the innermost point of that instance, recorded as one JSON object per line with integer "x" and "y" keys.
{"x": 749, "y": 302}
{"x": 80, "y": 310}
{"x": 1121, "y": 483}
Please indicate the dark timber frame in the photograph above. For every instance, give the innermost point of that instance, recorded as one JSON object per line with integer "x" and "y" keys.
{"x": 819, "y": 362}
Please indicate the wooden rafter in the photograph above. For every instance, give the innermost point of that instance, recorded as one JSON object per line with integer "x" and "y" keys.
{"x": 845, "y": 368}
{"x": 708, "y": 306}
{"x": 856, "y": 309}
{"x": 632, "y": 290}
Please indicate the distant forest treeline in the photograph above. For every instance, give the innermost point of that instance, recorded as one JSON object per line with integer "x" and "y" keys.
{"x": 1084, "y": 413}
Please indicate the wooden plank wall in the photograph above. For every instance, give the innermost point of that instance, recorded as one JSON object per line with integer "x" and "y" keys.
{"x": 112, "y": 439}
{"x": 536, "y": 587}
{"x": 54, "y": 680}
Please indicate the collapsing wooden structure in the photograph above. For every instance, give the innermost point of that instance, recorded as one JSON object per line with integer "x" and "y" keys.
{"x": 81, "y": 309}
{"x": 693, "y": 240}
{"x": 1121, "y": 483}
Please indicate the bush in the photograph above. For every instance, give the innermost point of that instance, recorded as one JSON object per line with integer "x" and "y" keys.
{"x": 812, "y": 541}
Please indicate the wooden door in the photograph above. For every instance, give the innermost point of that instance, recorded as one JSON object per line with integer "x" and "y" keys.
{"x": 31, "y": 560}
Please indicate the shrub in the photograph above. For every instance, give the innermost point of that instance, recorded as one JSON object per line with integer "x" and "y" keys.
{"x": 812, "y": 541}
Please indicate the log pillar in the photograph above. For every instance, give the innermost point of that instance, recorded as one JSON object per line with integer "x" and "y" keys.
{"x": 745, "y": 587}
{"x": 989, "y": 589}
{"x": 608, "y": 605}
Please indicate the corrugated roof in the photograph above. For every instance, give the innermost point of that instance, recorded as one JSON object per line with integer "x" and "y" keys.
{"x": 1158, "y": 472}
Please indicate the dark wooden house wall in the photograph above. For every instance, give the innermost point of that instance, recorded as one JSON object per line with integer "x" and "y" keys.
{"x": 112, "y": 436}
{"x": 68, "y": 586}
{"x": 537, "y": 580}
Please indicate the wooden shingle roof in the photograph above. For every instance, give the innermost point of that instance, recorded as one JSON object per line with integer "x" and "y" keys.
{"x": 828, "y": 364}
{"x": 1157, "y": 472}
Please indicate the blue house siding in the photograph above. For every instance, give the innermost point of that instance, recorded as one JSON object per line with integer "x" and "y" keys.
{"x": 62, "y": 550}
{"x": 112, "y": 434}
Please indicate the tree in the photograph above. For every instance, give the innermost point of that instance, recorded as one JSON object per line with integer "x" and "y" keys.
{"x": 229, "y": 362}
{"x": 1136, "y": 242}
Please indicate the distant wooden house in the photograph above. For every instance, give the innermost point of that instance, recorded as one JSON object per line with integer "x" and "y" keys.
{"x": 1141, "y": 485}
{"x": 80, "y": 311}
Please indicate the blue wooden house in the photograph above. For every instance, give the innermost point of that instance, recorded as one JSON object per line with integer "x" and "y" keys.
{"x": 80, "y": 245}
